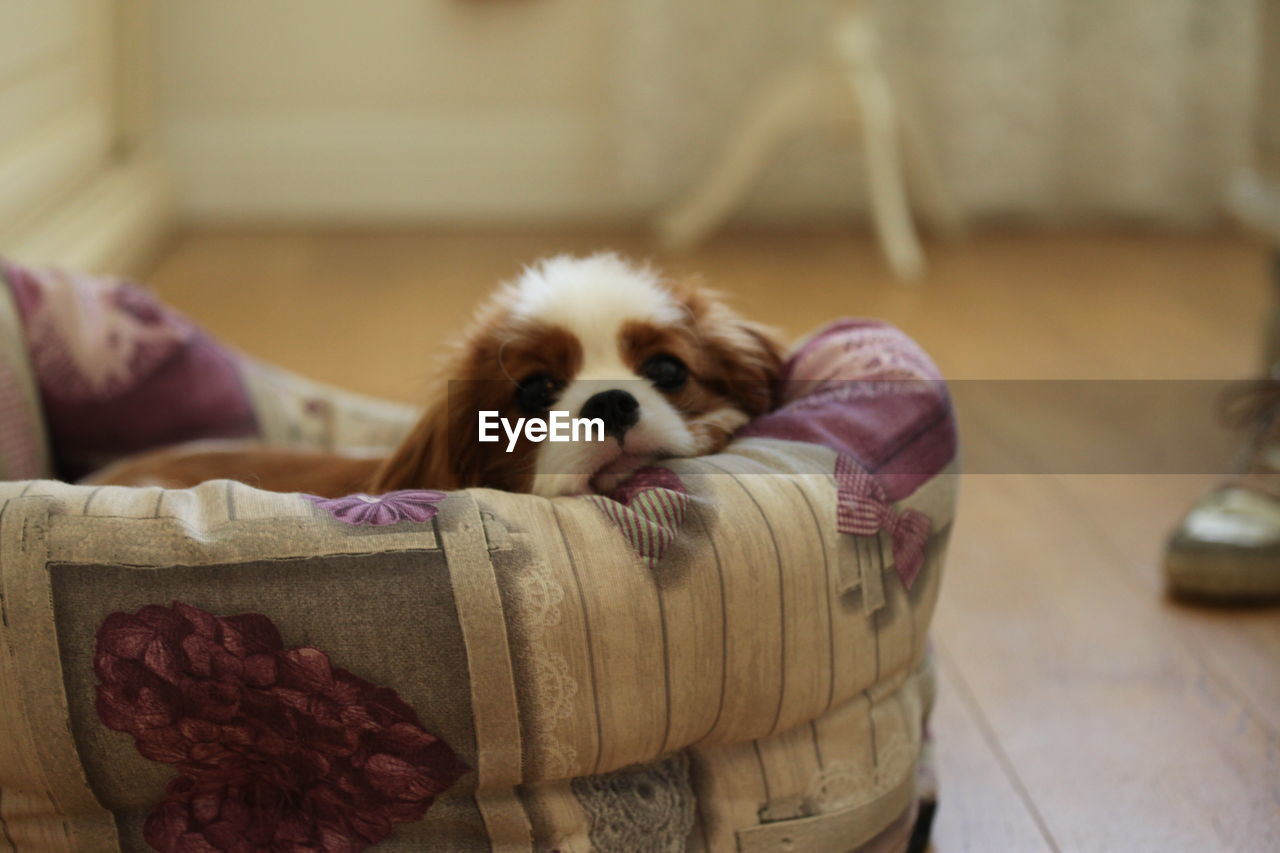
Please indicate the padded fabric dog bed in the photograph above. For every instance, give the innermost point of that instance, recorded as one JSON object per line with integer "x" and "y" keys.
{"x": 727, "y": 654}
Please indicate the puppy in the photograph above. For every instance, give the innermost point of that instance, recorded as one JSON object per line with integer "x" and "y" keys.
{"x": 655, "y": 369}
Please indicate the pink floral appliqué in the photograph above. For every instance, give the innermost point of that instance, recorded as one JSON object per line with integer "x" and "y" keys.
{"x": 277, "y": 750}
{"x": 407, "y": 505}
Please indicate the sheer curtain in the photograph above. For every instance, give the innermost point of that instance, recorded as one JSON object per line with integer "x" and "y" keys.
{"x": 1039, "y": 110}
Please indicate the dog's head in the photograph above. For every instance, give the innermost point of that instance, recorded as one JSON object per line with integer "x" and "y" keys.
{"x": 655, "y": 368}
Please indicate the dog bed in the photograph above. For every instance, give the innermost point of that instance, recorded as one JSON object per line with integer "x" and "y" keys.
{"x": 729, "y": 653}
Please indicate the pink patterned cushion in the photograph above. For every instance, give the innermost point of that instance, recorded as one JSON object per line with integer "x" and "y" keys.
{"x": 118, "y": 372}
{"x": 869, "y": 392}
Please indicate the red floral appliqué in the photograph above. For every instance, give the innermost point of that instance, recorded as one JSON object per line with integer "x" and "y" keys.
{"x": 277, "y": 750}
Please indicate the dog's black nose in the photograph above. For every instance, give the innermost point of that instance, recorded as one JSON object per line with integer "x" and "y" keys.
{"x": 618, "y": 409}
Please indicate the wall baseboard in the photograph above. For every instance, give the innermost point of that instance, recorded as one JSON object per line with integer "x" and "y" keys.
{"x": 467, "y": 166}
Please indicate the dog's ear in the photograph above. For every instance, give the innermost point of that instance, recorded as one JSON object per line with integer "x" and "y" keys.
{"x": 745, "y": 357}
{"x": 422, "y": 459}
{"x": 443, "y": 450}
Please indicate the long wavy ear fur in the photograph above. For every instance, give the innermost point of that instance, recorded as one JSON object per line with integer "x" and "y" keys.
{"x": 422, "y": 459}
{"x": 442, "y": 451}
{"x": 746, "y": 357}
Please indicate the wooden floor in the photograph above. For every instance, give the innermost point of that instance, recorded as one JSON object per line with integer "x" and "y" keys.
{"x": 1080, "y": 710}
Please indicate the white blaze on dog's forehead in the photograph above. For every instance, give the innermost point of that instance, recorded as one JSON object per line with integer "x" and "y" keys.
{"x": 593, "y": 298}
{"x": 592, "y": 295}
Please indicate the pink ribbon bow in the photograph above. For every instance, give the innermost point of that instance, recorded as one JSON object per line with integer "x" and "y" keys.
{"x": 863, "y": 509}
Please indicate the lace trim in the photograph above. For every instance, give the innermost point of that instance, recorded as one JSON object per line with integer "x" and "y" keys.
{"x": 647, "y": 808}
{"x": 553, "y": 687}
{"x": 844, "y": 784}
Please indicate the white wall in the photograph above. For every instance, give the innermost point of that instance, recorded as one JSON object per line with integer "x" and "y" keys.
{"x": 80, "y": 184}
{"x": 514, "y": 110}
{"x": 386, "y": 109}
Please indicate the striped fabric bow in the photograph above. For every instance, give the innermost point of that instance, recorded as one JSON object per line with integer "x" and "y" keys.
{"x": 863, "y": 509}
{"x": 649, "y": 509}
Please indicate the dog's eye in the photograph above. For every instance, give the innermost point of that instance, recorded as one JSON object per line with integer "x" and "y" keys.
{"x": 536, "y": 393}
{"x": 666, "y": 372}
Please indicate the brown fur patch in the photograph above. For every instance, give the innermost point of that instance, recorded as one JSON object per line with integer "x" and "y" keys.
{"x": 732, "y": 362}
{"x": 444, "y": 450}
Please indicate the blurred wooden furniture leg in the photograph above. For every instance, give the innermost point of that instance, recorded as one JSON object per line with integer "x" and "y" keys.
{"x": 892, "y": 144}
{"x": 890, "y": 210}
{"x": 787, "y": 103}
{"x": 935, "y": 202}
